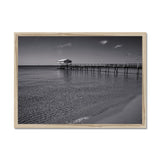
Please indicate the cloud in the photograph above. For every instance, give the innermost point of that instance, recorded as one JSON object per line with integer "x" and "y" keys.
{"x": 118, "y": 46}
{"x": 103, "y": 42}
{"x": 65, "y": 45}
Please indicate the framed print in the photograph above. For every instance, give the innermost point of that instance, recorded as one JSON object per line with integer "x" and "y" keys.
{"x": 80, "y": 80}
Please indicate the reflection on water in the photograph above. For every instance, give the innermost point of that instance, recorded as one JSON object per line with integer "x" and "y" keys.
{"x": 68, "y": 75}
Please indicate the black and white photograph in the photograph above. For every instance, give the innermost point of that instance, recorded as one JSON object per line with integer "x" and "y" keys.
{"x": 79, "y": 79}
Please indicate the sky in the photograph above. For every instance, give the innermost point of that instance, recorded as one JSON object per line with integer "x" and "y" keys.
{"x": 89, "y": 50}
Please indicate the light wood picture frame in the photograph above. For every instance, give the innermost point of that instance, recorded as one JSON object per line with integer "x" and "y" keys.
{"x": 28, "y": 44}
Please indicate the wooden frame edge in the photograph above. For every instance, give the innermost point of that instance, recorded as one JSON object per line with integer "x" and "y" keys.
{"x": 80, "y": 33}
{"x": 79, "y": 126}
{"x": 15, "y": 80}
{"x": 144, "y": 80}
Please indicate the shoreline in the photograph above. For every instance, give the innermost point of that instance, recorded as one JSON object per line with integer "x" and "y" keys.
{"x": 131, "y": 113}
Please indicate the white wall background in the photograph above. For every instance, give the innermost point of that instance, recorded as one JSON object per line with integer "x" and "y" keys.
{"x": 70, "y": 16}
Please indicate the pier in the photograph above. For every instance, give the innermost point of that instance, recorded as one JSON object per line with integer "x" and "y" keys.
{"x": 107, "y": 68}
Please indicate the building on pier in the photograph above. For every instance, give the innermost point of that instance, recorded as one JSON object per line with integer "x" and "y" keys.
{"x": 64, "y": 63}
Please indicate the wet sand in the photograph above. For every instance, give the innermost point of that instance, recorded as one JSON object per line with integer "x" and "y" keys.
{"x": 131, "y": 113}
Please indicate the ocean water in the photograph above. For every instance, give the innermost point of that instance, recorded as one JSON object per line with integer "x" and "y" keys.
{"x": 47, "y": 95}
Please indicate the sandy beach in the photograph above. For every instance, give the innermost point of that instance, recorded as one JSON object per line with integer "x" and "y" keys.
{"x": 131, "y": 113}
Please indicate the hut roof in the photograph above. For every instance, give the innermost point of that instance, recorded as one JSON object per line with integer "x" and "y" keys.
{"x": 65, "y": 60}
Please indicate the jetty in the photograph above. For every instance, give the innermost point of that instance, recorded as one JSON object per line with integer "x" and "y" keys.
{"x": 67, "y": 64}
